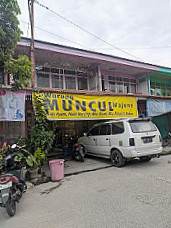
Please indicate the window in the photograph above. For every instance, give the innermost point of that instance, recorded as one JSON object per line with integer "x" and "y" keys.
{"x": 133, "y": 88}
{"x": 51, "y": 77}
{"x": 94, "y": 131}
{"x": 112, "y": 86}
{"x": 142, "y": 126}
{"x": 69, "y": 72}
{"x": 43, "y": 80}
{"x": 70, "y": 83}
{"x": 160, "y": 88}
{"x": 117, "y": 128}
{"x": 126, "y": 88}
{"x": 57, "y": 82}
{"x": 105, "y": 129}
{"x": 121, "y": 85}
{"x": 56, "y": 70}
{"x": 82, "y": 83}
{"x": 120, "y": 88}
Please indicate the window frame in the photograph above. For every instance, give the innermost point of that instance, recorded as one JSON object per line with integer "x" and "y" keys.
{"x": 123, "y": 83}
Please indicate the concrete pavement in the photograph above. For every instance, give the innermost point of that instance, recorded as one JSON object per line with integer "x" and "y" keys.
{"x": 92, "y": 163}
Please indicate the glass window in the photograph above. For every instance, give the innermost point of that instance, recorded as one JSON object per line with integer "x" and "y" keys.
{"x": 105, "y": 129}
{"x": 94, "y": 131}
{"x": 82, "y": 83}
{"x": 133, "y": 88}
{"x": 70, "y": 83}
{"x": 70, "y": 72}
{"x": 46, "y": 69}
{"x": 111, "y": 78}
{"x": 57, "y": 82}
{"x": 117, "y": 128}
{"x": 55, "y": 70}
{"x": 120, "y": 87}
{"x": 142, "y": 126}
{"x": 126, "y": 88}
{"x": 43, "y": 80}
{"x": 112, "y": 86}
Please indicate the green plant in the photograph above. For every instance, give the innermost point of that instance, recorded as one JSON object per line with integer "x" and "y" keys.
{"x": 9, "y": 36}
{"x": 3, "y": 152}
{"x": 40, "y": 136}
{"x": 39, "y": 156}
{"x": 20, "y": 69}
{"x": 26, "y": 159}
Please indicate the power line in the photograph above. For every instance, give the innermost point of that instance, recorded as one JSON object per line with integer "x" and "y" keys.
{"x": 90, "y": 33}
{"x": 56, "y": 35}
{"x": 136, "y": 48}
{"x": 96, "y": 49}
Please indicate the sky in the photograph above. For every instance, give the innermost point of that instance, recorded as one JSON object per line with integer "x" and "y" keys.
{"x": 133, "y": 29}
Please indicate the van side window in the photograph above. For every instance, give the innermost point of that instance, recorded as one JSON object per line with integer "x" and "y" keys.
{"x": 94, "y": 131}
{"x": 117, "y": 128}
{"x": 105, "y": 129}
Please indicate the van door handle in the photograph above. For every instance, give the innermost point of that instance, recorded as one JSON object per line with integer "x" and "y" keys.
{"x": 107, "y": 139}
{"x": 94, "y": 139}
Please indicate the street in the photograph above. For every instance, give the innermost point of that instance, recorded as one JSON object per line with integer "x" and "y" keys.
{"x": 137, "y": 195}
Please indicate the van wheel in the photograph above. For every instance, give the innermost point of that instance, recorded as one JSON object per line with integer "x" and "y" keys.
{"x": 145, "y": 158}
{"x": 117, "y": 158}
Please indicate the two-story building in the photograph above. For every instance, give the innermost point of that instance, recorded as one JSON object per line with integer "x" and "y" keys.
{"x": 63, "y": 71}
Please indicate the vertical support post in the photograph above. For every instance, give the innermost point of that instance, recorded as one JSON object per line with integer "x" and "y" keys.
{"x": 32, "y": 56}
{"x": 1, "y": 133}
{"x": 99, "y": 79}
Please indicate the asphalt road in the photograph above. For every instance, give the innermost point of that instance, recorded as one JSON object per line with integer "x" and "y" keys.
{"x": 137, "y": 195}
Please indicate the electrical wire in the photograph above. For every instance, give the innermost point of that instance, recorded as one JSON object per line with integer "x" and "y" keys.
{"x": 90, "y": 33}
{"x": 135, "y": 48}
{"x": 94, "y": 49}
{"x": 56, "y": 35}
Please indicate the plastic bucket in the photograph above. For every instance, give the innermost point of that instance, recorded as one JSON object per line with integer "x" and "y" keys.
{"x": 57, "y": 169}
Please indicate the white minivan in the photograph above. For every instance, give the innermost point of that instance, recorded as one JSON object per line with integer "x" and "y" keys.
{"x": 123, "y": 139}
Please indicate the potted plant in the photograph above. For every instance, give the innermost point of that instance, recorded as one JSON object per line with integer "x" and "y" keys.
{"x": 26, "y": 159}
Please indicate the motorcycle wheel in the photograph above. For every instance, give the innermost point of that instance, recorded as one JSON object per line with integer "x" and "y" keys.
{"x": 166, "y": 142}
{"x": 78, "y": 157}
{"x": 10, "y": 206}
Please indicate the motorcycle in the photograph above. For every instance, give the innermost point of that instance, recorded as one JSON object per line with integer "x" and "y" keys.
{"x": 79, "y": 152}
{"x": 167, "y": 140}
{"x": 73, "y": 148}
{"x": 12, "y": 184}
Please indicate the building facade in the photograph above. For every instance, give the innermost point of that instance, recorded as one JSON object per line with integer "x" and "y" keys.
{"x": 67, "y": 70}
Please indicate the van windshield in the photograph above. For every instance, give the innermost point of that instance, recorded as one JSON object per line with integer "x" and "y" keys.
{"x": 142, "y": 126}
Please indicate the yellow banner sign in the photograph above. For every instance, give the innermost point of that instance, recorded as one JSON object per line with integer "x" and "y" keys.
{"x": 88, "y": 107}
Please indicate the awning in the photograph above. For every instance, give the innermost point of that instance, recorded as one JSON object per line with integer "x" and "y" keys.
{"x": 156, "y": 107}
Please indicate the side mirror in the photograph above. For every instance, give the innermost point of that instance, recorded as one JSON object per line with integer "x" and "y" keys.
{"x": 85, "y": 134}
{"x": 13, "y": 146}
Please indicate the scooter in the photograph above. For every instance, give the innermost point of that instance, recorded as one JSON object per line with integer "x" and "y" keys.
{"x": 73, "y": 148}
{"x": 79, "y": 152}
{"x": 167, "y": 140}
{"x": 12, "y": 184}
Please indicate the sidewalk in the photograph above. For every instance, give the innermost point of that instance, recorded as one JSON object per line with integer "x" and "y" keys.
{"x": 72, "y": 167}
{"x": 166, "y": 150}
{"x": 91, "y": 163}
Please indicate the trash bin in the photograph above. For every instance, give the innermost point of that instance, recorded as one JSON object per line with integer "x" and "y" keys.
{"x": 57, "y": 169}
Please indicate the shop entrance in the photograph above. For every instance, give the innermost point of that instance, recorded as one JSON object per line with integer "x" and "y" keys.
{"x": 64, "y": 130}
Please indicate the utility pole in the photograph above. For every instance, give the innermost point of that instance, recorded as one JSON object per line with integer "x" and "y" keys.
{"x": 32, "y": 57}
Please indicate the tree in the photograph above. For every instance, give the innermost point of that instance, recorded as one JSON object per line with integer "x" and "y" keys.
{"x": 9, "y": 36}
